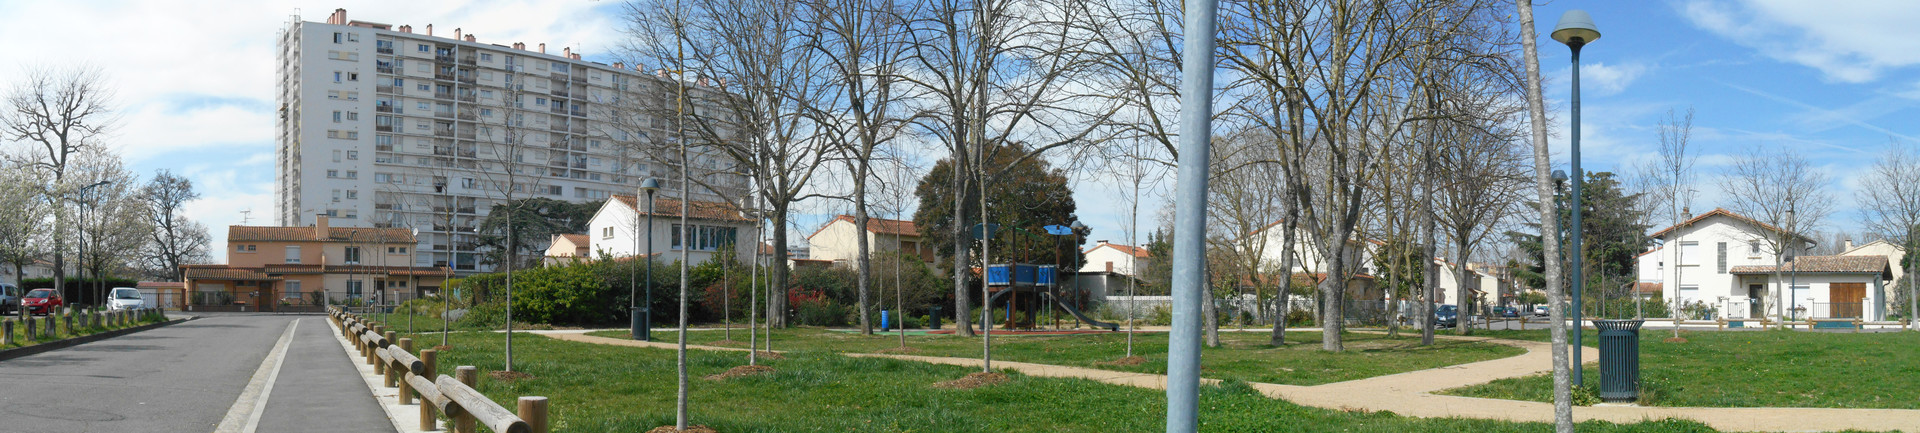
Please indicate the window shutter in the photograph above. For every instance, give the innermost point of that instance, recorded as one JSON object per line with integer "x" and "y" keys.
{"x": 1723, "y": 257}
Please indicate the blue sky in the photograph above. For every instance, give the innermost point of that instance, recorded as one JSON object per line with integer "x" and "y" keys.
{"x": 195, "y": 82}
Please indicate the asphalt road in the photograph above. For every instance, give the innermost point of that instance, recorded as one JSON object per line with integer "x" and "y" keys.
{"x": 186, "y": 378}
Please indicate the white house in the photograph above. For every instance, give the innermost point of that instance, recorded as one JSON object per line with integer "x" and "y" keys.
{"x": 568, "y": 248}
{"x": 1114, "y": 258}
{"x": 836, "y": 240}
{"x": 1882, "y": 248}
{"x": 1723, "y": 260}
{"x": 37, "y": 269}
{"x": 615, "y": 227}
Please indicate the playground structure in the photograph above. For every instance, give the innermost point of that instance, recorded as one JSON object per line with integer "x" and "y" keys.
{"x": 1034, "y": 289}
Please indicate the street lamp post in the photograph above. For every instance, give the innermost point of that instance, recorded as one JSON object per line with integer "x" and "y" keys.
{"x": 1576, "y": 30}
{"x": 643, "y": 327}
{"x": 80, "y": 260}
{"x": 642, "y": 315}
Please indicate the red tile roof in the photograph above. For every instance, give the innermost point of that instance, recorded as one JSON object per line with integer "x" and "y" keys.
{"x": 1824, "y": 264}
{"x": 1729, "y": 214}
{"x": 667, "y": 207}
{"x": 222, "y": 272}
{"x": 1647, "y": 288}
{"x": 579, "y": 241}
{"x": 877, "y": 225}
{"x": 1124, "y": 249}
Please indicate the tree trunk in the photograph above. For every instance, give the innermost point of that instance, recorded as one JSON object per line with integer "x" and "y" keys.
{"x": 1287, "y": 240}
{"x": 1210, "y": 313}
{"x": 1537, "y": 119}
{"x": 962, "y": 319}
{"x": 863, "y": 260}
{"x": 777, "y": 302}
{"x": 1465, "y": 298}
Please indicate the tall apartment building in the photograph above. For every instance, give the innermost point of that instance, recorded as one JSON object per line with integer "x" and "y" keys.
{"x": 383, "y": 127}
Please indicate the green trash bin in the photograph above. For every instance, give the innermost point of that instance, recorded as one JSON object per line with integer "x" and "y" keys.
{"x": 1619, "y": 360}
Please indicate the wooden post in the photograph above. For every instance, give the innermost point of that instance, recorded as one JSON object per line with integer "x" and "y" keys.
{"x": 471, "y": 376}
{"x": 46, "y": 328}
{"x": 386, "y": 367}
{"x": 6, "y": 332}
{"x": 533, "y": 410}
{"x": 427, "y": 417}
{"x": 31, "y": 334}
{"x": 406, "y": 390}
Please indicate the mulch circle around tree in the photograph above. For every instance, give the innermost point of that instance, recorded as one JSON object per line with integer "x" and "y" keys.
{"x": 742, "y": 371}
{"x": 1675, "y": 339}
{"x": 690, "y": 429}
{"x": 974, "y": 380}
{"x": 508, "y": 376}
{"x": 1130, "y": 360}
{"x": 442, "y": 348}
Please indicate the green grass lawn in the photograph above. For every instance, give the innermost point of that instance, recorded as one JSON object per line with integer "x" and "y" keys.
{"x": 1757, "y": 369}
{"x": 20, "y": 337}
{"x": 599, "y": 388}
{"x": 1244, "y": 356}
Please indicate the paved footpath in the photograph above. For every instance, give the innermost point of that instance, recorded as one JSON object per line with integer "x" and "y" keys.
{"x": 1411, "y": 393}
{"x": 192, "y": 377}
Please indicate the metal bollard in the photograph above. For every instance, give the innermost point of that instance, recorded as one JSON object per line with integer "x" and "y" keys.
{"x": 427, "y": 417}
{"x": 533, "y": 410}
{"x": 465, "y": 423}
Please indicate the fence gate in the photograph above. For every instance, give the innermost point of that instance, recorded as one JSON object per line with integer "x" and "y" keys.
{"x": 1846, "y": 299}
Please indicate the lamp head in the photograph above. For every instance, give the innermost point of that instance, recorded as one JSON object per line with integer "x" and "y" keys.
{"x": 1559, "y": 176}
{"x": 650, "y": 185}
{"x": 1576, "y": 27}
{"x": 1077, "y": 226}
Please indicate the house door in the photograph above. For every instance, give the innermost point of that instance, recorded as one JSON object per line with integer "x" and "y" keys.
{"x": 1756, "y": 294}
{"x": 1846, "y": 298}
{"x": 265, "y": 298}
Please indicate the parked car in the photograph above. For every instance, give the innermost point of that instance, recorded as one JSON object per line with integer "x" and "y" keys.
{"x": 42, "y": 301}
{"x": 125, "y": 298}
{"x": 1509, "y": 312}
{"x": 1540, "y": 311}
{"x": 1447, "y": 316}
{"x": 9, "y": 299}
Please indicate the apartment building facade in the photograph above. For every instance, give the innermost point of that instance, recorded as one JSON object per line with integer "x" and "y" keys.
{"x": 380, "y": 126}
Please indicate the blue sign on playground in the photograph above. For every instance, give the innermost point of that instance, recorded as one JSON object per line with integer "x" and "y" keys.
{"x": 1020, "y": 275}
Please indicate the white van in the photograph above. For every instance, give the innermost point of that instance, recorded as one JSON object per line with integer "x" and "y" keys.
{"x": 125, "y": 298}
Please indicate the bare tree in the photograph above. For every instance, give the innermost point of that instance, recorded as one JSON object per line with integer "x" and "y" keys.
{"x": 58, "y": 114}
{"x": 861, "y": 42}
{"x": 499, "y": 144}
{"x": 111, "y": 226}
{"x": 1889, "y": 199}
{"x": 1670, "y": 180}
{"x": 23, "y": 212}
{"x": 1482, "y": 178}
{"x": 175, "y": 240}
{"x": 1242, "y": 203}
{"x": 1549, "y": 239}
{"x": 1781, "y": 189}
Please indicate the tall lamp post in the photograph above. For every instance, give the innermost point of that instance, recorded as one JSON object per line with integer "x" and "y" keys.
{"x": 1576, "y": 30}
{"x": 79, "y": 260}
{"x": 641, "y": 316}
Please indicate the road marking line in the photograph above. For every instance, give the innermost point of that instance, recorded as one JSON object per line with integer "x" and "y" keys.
{"x": 244, "y": 416}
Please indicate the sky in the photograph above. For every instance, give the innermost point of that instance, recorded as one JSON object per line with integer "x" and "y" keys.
{"x": 194, "y": 84}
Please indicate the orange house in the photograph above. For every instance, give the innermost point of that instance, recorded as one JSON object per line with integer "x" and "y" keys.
{"x": 301, "y": 268}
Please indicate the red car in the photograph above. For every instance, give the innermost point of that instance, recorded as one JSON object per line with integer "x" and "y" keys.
{"x": 42, "y": 301}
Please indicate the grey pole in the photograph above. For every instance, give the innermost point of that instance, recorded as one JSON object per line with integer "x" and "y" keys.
{"x": 648, "y": 308}
{"x": 1190, "y": 217}
{"x": 1579, "y": 182}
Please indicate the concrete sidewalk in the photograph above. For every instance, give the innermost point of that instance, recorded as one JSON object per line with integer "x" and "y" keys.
{"x": 1411, "y": 393}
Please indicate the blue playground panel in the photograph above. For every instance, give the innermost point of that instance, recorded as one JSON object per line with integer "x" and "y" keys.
{"x": 1020, "y": 275}
{"x": 1833, "y": 325}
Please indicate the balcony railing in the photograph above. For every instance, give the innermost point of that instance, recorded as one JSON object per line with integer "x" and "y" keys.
{"x": 443, "y": 95}
{"x": 383, "y": 128}
{"x": 466, "y": 210}
{"x": 385, "y": 206}
{"x": 468, "y": 153}
{"x": 443, "y": 58}
{"x": 561, "y": 93}
{"x": 385, "y": 109}
{"x": 468, "y": 116}
{"x": 559, "y": 127}
{"x": 383, "y": 148}
{"x": 442, "y": 133}
{"x": 384, "y": 69}
{"x": 441, "y": 76}
{"x": 558, "y": 109}
{"x": 466, "y": 134}
{"x": 469, "y": 79}
{"x": 579, "y": 78}
{"x": 469, "y": 61}
{"x": 578, "y": 113}
{"x": 443, "y": 151}
{"x": 466, "y": 98}
{"x": 384, "y": 50}
{"x": 443, "y": 114}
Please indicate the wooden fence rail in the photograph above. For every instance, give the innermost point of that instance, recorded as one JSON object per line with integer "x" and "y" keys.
{"x": 415, "y": 377}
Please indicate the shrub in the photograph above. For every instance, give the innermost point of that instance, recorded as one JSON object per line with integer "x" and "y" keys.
{"x": 1299, "y": 318}
{"x": 819, "y": 311}
{"x": 572, "y": 294}
{"x": 484, "y": 316}
{"x": 1161, "y": 316}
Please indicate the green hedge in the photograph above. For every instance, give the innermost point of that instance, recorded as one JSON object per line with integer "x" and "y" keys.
{"x": 79, "y": 291}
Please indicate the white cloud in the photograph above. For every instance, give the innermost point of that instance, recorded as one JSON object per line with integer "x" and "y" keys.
{"x": 1851, "y": 42}
{"x": 1601, "y": 79}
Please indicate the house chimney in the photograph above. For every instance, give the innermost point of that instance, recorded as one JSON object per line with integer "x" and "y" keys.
{"x": 566, "y": 52}
{"x": 429, "y": 30}
{"x": 456, "y": 33}
{"x": 522, "y": 46}
{"x": 407, "y": 28}
{"x": 1848, "y": 245}
{"x": 543, "y": 48}
{"x": 339, "y": 17}
{"x": 320, "y": 226}
{"x": 662, "y": 73}
{"x": 576, "y": 56}
{"x": 619, "y": 65}
{"x": 470, "y": 38}
{"x": 1109, "y": 267}
{"x": 1102, "y": 241}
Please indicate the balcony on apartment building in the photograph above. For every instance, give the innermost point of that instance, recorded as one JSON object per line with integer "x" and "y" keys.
{"x": 383, "y": 128}
{"x": 469, "y": 60}
{"x": 444, "y": 114}
{"x": 442, "y": 95}
{"x": 388, "y": 109}
{"x": 384, "y": 89}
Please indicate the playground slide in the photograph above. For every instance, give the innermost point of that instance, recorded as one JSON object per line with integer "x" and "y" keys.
{"x": 1083, "y": 318}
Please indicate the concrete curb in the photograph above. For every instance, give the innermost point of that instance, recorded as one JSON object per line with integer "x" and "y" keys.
{"x": 84, "y": 339}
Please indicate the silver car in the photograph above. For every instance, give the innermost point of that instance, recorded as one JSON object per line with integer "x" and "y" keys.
{"x": 125, "y": 298}
{"x": 10, "y": 299}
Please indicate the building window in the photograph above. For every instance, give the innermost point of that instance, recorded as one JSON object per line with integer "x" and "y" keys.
{"x": 1753, "y": 248}
{"x": 353, "y": 76}
{"x": 352, "y": 256}
{"x": 486, "y": 57}
{"x": 293, "y": 291}
{"x": 352, "y": 194}
{"x": 353, "y": 155}
{"x": 353, "y": 289}
{"x": 293, "y": 254}
{"x": 423, "y": 48}
{"x": 382, "y": 178}
{"x": 353, "y": 174}
{"x": 606, "y": 232}
{"x": 333, "y": 173}
{"x": 336, "y": 37}
{"x": 353, "y": 116}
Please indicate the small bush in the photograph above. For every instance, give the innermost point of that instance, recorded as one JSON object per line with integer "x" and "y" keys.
{"x": 1161, "y": 316}
{"x": 820, "y": 312}
{"x": 485, "y": 316}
